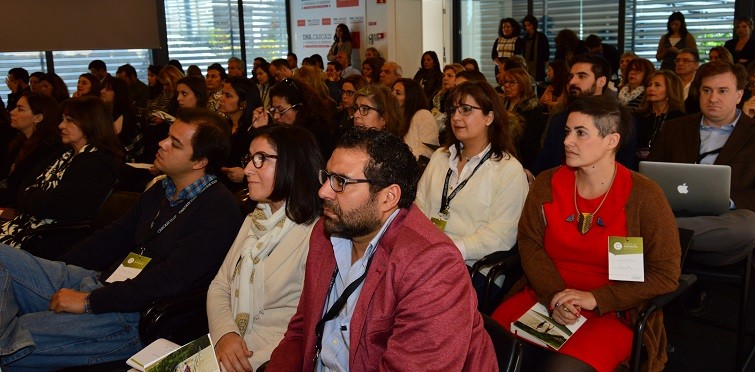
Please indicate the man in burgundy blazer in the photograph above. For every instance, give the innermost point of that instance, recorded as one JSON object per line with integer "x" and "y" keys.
{"x": 720, "y": 134}
{"x": 416, "y": 309}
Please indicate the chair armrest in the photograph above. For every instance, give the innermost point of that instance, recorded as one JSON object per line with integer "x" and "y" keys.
{"x": 656, "y": 303}
{"x": 154, "y": 319}
{"x": 495, "y": 258}
{"x": 60, "y": 227}
{"x": 685, "y": 282}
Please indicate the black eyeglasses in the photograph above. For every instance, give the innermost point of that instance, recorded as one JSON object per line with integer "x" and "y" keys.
{"x": 348, "y": 93}
{"x": 364, "y": 110}
{"x": 258, "y": 159}
{"x": 463, "y": 110}
{"x": 337, "y": 182}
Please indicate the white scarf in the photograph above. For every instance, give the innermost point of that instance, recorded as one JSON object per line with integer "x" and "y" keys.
{"x": 248, "y": 288}
{"x": 625, "y": 95}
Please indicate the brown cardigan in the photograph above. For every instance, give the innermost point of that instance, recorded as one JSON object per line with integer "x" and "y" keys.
{"x": 649, "y": 216}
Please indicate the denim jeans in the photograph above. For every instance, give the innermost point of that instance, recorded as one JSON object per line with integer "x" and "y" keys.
{"x": 32, "y": 336}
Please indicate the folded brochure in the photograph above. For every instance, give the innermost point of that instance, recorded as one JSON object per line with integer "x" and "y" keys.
{"x": 539, "y": 328}
{"x": 164, "y": 355}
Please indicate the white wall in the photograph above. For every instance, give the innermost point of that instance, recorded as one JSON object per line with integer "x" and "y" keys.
{"x": 408, "y": 27}
{"x": 436, "y": 29}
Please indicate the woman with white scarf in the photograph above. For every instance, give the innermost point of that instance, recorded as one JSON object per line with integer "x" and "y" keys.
{"x": 257, "y": 289}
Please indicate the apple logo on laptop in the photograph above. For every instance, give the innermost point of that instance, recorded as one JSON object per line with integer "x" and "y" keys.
{"x": 683, "y": 188}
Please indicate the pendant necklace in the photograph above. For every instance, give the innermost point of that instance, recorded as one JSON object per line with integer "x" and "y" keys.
{"x": 584, "y": 220}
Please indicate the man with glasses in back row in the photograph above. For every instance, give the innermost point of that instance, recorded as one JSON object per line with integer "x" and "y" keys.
{"x": 686, "y": 64}
{"x": 384, "y": 288}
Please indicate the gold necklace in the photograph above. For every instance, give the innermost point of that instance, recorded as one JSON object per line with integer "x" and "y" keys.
{"x": 584, "y": 220}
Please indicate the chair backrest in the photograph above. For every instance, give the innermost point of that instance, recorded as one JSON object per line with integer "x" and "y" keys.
{"x": 116, "y": 205}
{"x": 508, "y": 349}
{"x": 685, "y": 239}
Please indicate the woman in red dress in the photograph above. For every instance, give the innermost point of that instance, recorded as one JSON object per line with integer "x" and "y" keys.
{"x": 563, "y": 240}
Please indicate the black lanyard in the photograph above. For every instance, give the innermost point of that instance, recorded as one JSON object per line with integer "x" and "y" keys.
{"x": 337, "y": 305}
{"x": 705, "y": 154}
{"x": 152, "y": 235}
{"x": 445, "y": 198}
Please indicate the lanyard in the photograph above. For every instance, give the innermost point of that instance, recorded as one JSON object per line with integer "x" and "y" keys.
{"x": 340, "y": 302}
{"x": 445, "y": 198}
{"x": 705, "y": 154}
{"x": 152, "y": 224}
{"x": 337, "y": 305}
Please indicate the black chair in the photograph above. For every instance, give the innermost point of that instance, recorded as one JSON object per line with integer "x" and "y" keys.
{"x": 508, "y": 349}
{"x": 500, "y": 263}
{"x": 53, "y": 240}
{"x": 739, "y": 274}
{"x": 658, "y": 302}
{"x": 180, "y": 319}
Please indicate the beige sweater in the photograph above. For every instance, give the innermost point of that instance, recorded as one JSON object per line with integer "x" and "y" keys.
{"x": 284, "y": 277}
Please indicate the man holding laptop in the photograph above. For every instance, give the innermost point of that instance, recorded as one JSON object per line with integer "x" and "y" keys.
{"x": 720, "y": 134}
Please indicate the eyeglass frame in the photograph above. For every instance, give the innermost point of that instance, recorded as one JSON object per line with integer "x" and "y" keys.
{"x": 249, "y": 158}
{"x": 346, "y": 180}
{"x": 348, "y": 93}
{"x": 509, "y": 82}
{"x": 450, "y": 111}
{"x": 358, "y": 108}
{"x": 272, "y": 110}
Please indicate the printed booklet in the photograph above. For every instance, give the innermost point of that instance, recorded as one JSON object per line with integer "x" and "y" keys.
{"x": 536, "y": 326}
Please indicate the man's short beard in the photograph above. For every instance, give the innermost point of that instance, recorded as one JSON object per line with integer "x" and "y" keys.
{"x": 360, "y": 221}
{"x": 572, "y": 95}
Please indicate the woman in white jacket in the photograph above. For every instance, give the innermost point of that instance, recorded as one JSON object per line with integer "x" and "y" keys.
{"x": 418, "y": 128}
{"x": 257, "y": 289}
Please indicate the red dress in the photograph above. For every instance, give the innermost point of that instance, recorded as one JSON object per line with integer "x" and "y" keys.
{"x": 582, "y": 261}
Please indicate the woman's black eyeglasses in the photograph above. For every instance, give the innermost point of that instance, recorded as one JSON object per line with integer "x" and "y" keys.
{"x": 464, "y": 110}
{"x": 258, "y": 159}
{"x": 364, "y": 110}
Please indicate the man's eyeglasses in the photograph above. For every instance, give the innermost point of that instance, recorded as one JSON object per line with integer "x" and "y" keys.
{"x": 348, "y": 93}
{"x": 337, "y": 183}
{"x": 274, "y": 111}
{"x": 364, "y": 110}
{"x": 463, "y": 110}
{"x": 683, "y": 60}
{"x": 257, "y": 159}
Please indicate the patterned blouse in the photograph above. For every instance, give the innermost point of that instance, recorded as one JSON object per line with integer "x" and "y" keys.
{"x": 15, "y": 231}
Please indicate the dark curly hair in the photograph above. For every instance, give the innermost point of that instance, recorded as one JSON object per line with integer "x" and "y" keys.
{"x": 391, "y": 161}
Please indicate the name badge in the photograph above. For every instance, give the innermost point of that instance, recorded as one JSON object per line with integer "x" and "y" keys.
{"x": 439, "y": 223}
{"x": 625, "y": 259}
{"x": 129, "y": 268}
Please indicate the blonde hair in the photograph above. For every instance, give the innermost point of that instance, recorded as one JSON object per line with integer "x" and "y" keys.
{"x": 171, "y": 74}
{"x": 313, "y": 77}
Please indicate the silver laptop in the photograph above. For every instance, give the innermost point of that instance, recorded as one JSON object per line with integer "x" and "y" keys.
{"x": 692, "y": 189}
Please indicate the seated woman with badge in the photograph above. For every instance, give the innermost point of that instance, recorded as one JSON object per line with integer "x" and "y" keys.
{"x": 256, "y": 291}
{"x": 577, "y": 219}
{"x": 474, "y": 187}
